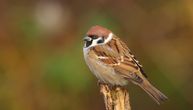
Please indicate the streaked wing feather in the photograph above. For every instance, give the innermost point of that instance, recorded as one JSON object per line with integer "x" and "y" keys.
{"x": 106, "y": 55}
{"x": 138, "y": 64}
{"x": 128, "y": 53}
{"x": 123, "y": 71}
{"x": 118, "y": 55}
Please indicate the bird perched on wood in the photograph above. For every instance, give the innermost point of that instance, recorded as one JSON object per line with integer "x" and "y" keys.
{"x": 111, "y": 61}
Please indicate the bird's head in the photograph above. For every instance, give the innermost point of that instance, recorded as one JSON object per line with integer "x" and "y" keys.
{"x": 97, "y": 35}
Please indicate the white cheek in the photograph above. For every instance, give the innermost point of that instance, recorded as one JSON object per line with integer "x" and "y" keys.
{"x": 86, "y": 49}
{"x": 110, "y": 36}
{"x": 94, "y": 42}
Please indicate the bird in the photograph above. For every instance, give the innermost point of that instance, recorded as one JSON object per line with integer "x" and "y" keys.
{"x": 112, "y": 62}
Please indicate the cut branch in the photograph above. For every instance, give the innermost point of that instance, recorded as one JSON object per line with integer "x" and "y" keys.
{"x": 116, "y": 98}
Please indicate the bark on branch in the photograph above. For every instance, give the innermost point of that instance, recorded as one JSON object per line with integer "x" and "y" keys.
{"x": 116, "y": 98}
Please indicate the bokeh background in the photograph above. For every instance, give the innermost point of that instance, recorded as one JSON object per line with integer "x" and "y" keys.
{"x": 41, "y": 59}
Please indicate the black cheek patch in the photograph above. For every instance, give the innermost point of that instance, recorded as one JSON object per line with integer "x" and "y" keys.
{"x": 100, "y": 41}
{"x": 88, "y": 43}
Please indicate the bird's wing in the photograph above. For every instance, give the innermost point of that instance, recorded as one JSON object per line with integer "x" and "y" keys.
{"x": 128, "y": 55}
{"x": 128, "y": 68}
{"x": 120, "y": 58}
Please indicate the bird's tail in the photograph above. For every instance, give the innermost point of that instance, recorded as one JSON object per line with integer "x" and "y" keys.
{"x": 155, "y": 94}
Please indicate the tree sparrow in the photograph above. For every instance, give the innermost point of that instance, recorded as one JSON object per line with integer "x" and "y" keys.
{"x": 112, "y": 63}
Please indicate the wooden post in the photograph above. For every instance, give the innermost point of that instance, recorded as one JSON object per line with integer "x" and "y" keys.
{"x": 115, "y": 98}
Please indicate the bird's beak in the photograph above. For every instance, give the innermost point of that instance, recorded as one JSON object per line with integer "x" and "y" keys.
{"x": 87, "y": 38}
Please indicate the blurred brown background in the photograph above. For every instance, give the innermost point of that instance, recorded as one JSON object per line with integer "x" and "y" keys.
{"x": 41, "y": 59}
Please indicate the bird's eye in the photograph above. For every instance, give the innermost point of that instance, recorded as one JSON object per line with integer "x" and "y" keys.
{"x": 100, "y": 41}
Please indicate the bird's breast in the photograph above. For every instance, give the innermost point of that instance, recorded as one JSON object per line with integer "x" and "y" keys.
{"x": 103, "y": 72}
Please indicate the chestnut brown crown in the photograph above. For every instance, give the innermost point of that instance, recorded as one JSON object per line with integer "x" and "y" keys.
{"x": 98, "y": 31}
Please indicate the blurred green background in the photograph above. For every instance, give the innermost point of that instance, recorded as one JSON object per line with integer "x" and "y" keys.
{"x": 41, "y": 58}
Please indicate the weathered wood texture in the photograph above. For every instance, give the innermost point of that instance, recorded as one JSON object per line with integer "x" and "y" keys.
{"x": 115, "y": 98}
